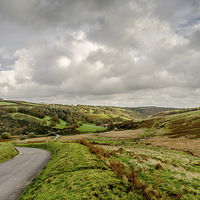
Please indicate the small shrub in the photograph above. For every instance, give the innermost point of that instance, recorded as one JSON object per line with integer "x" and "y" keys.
{"x": 5, "y": 135}
{"x": 110, "y": 126}
{"x": 31, "y": 135}
{"x": 23, "y": 137}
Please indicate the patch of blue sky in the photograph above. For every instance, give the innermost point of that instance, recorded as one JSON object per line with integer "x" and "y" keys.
{"x": 7, "y": 64}
{"x": 191, "y": 22}
{"x": 185, "y": 13}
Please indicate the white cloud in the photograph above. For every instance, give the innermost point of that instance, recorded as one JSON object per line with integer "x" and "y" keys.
{"x": 64, "y": 62}
{"x": 101, "y": 52}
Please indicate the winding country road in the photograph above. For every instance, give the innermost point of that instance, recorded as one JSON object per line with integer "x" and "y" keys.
{"x": 16, "y": 174}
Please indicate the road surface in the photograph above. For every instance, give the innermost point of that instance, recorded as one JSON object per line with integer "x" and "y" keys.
{"x": 16, "y": 174}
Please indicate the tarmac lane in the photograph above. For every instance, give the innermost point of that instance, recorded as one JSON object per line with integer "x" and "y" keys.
{"x": 16, "y": 174}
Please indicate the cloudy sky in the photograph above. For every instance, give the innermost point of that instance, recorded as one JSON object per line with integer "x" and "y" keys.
{"x": 101, "y": 52}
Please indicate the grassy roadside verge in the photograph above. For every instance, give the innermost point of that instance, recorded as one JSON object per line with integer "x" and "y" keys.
{"x": 75, "y": 173}
{"x": 7, "y": 152}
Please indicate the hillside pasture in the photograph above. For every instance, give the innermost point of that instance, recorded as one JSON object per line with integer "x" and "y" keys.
{"x": 4, "y": 103}
{"x": 101, "y": 116}
{"x": 12, "y": 106}
{"x": 24, "y": 116}
{"x": 32, "y": 104}
{"x": 61, "y": 125}
{"x": 90, "y": 128}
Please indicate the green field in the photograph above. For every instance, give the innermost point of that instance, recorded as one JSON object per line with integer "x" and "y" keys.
{"x": 100, "y": 116}
{"x": 61, "y": 125}
{"x": 58, "y": 126}
{"x": 48, "y": 120}
{"x": 32, "y": 104}
{"x": 3, "y": 103}
{"x": 25, "y": 115}
{"x": 10, "y": 106}
{"x": 90, "y": 128}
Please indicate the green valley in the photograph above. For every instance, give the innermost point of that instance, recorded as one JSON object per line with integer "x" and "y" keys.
{"x": 139, "y": 158}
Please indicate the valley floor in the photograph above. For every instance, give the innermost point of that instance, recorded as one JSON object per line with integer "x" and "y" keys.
{"x": 184, "y": 144}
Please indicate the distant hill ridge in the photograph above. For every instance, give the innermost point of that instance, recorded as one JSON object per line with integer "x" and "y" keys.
{"x": 145, "y": 112}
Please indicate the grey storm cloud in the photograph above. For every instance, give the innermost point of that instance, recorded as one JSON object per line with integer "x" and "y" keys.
{"x": 114, "y": 52}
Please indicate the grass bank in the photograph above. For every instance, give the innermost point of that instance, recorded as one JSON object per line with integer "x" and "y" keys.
{"x": 7, "y": 151}
{"x": 75, "y": 173}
